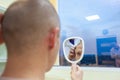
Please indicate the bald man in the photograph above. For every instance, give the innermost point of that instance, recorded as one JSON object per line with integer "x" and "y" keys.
{"x": 30, "y": 30}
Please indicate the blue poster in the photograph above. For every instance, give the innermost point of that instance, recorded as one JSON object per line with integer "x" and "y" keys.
{"x": 104, "y": 45}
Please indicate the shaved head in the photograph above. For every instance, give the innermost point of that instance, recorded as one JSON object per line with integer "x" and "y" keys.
{"x": 26, "y": 22}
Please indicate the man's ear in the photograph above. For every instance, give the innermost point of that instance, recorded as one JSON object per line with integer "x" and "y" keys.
{"x": 1, "y": 34}
{"x": 53, "y": 36}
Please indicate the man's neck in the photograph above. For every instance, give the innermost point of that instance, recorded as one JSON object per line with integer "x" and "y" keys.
{"x": 24, "y": 69}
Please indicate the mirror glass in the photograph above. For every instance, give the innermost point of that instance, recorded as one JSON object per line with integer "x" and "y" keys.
{"x": 73, "y": 48}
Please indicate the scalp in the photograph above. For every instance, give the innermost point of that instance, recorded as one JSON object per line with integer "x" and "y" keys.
{"x": 27, "y": 21}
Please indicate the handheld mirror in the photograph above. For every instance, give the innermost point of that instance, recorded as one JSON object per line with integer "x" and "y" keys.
{"x": 73, "y": 48}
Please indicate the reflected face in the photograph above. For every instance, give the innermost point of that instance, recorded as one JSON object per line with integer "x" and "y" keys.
{"x": 75, "y": 54}
{"x": 78, "y": 51}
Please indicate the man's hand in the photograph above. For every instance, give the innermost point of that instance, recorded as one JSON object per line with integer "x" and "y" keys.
{"x": 71, "y": 55}
{"x": 76, "y": 72}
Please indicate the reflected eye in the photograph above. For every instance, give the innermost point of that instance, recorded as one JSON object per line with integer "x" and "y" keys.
{"x": 79, "y": 53}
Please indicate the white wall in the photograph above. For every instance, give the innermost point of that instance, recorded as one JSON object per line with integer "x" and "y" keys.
{"x": 5, "y": 3}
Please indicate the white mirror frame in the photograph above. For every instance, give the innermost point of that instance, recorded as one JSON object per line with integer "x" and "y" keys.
{"x": 66, "y": 57}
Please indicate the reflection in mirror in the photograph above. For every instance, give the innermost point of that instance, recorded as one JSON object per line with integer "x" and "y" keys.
{"x": 73, "y": 49}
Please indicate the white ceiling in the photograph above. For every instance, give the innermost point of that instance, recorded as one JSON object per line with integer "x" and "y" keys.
{"x": 73, "y": 13}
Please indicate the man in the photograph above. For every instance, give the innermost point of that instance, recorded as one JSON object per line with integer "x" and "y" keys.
{"x": 75, "y": 53}
{"x": 115, "y": 54}
{"x": 30, "y": 31}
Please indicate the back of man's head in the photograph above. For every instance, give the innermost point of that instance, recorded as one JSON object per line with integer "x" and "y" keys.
{"x": 27, "y": 21}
